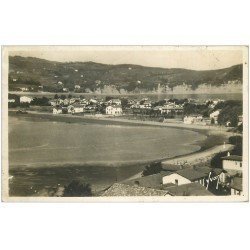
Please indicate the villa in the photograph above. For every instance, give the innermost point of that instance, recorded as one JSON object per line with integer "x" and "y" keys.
{"x": 185, "y": 176}
{"x": 113, "y": 110}
{"x": 57, "y": 111}
{"x": 194, "y": 119}
{"x": 214, "y": 116}
{"x": 232, "y": 164}
{"x": 236, "y": 186}
{"x": 25, "y": 99}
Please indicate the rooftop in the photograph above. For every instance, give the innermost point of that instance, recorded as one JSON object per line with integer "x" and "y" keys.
{"x": 207, "y": 170}
{"x": 171, "y": 167}
{"x": 236, "y": 183}
{"x": 233, "y": 158}
{"x": 114, "y": 106}
{"x": 150, "y": 181}
{"x": 118, "y": 189}
{"x": 190, "y": 189}
{"x": 191, "y": 174}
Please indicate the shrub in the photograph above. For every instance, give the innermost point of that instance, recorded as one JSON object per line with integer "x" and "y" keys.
{"x": 152, "y": 168}
{"x": 77, "y": 189}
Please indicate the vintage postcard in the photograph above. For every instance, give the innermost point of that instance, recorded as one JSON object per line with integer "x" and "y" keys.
{"x": 125, "y": 123}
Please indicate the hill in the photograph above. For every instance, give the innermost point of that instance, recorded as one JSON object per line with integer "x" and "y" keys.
{"x": 123, "y": 78}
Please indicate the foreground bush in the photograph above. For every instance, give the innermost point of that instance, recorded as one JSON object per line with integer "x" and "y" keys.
{"x": 77, "y": 189}
{"x": 152, "y": 168}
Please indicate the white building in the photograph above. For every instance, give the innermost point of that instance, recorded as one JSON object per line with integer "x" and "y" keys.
{"x": 115, "y": 102}
{"x": 194, "y": 119}
{"x": 57, "y": 111}
{"x": 24, "y": 89}
{"x": 236, "y": 186}
{"x": 53, "y": 102}
{"x": 77, "y": 86}
{"x": 92, "y": 100}
{"x": 175, "y": 179}
{"x": 75, "y": 109}
{"x": 215, "y": 115}
{"x": 185, "y": 176}
{"x": 11, "y": 100}
{"x": 25, "y": 99}
{"x": 113, "y": 110}
{"x": 232, "y": 163}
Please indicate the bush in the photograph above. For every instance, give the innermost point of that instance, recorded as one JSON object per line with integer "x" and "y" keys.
{"x": 235, "y": 140}
{"x": 77, "y": 189}
{"x": 216, "y": 161}
{"x": 152, "y": 168}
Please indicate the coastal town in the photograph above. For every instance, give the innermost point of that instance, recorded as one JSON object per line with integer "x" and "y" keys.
{"x": 219, "y": 173}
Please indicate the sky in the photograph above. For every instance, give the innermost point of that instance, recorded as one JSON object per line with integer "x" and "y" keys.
{"x": 196, "y": 58}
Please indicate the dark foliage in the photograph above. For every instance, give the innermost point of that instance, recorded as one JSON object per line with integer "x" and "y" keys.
{"x": 235, "y": 140}
{"x": 77, "y": 189}
{"x": 152, "y": 168}
{"x": 216, "y": 161}
{"x": 44, "y": 101}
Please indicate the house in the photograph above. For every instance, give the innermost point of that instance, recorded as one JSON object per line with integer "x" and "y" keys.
{"x": 57, "y": 111}
{"x": 75, "y": 109}
{"x": 113, "y": 110}
{"x": 77, "y": 86}
{"x": 115, "y": 101}
{"x": 53, "y": 102}
{"x": 11, "y": 100}
{"x": 59, "y": 101}
{"x": 172, "y": 108}
{"x": 236, "y": 186}
{"x": 72, "y": 100}
{"x": 189, "y": 189}
{"x": 119, "y": 189}
{"x": 150, "y": 181}
{"x": 232, "y": 164}
{"x": 185, "y": 176}
{"x": 24, "y": 89}
{"x": 215, "y": 115}
{"x": 25, "y": 99}
{"x": 66, "y": 102}
{"x": 65, "y": 90}
{"x": 240, "y": 120}
{"x": 213, "y": 174}
{"x": 145, "y": 104}
{"x": 194, "y": 119}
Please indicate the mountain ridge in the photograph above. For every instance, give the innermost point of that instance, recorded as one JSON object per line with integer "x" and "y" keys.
{"x": 98, "y": 77}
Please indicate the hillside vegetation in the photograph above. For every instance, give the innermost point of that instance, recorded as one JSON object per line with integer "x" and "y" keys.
{"x": 29, "y": 71}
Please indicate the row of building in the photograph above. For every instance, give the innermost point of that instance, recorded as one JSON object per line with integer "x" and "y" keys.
{"x": 174, "y": 180}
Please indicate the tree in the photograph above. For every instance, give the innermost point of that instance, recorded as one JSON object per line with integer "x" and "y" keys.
{"x": 124, "y": 102}
{"x": 77, "y": 189}
{"x": 235, "y": 140}
{"x": 152, "y": 168}
{"x": 216, "y": 161}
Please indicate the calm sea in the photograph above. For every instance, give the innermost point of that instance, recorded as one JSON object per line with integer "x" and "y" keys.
{"x": 45, "y": 153}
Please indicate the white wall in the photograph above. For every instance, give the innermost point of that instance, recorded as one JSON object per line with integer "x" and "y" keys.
{"x": 232, "y": 165}
{"x": 171, "y": 179}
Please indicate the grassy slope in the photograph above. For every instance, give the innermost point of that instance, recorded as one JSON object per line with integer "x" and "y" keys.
{"x": 123, "y": 76}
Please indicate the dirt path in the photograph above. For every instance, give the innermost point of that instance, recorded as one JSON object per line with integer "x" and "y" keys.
{"x": 199, "y": 156}
{"x": 193, "y": 158}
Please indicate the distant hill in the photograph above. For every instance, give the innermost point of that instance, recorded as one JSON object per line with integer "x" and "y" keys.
{"x": 123, "y": 78}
